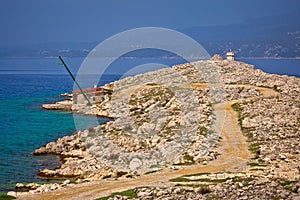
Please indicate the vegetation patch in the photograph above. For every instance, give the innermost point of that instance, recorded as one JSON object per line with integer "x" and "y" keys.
{"x": 290, "y": 186}
{"x": 151, "y": 172}
{"x": 199, "y": 174}
{"x": 4, "y": 196}
{"x": 206, "y": 180}
{"x": 204, "y": 189}
{"x": 188, "y": 158}
{"x": 236, "y": 107}
{"x": 254, "y": 164}
{"x": 179, "y": 179}
{"x": 287, "y": 183}
{"x": 152, "y": 84}
{"x": 189, "y": 185}
{"x": 185, "y": 163}
{"x": 203, "y": 131}
{"x": 212, "y": 180}
{"x": 255, "y": 148}
{"x": 247, "y": 130}
{"x": 155, "y": 166}
{"x": 128, "y": 193}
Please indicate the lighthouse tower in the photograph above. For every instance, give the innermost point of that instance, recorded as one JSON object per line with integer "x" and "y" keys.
{"x": 230, "y": 55}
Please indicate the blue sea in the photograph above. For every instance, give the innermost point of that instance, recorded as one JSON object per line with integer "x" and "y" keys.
{"x": 25, "y": 126}
{"x": 27, "y": 83}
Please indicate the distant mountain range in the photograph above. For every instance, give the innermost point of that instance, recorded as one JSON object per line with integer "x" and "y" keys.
{"x": 274, "y": 36}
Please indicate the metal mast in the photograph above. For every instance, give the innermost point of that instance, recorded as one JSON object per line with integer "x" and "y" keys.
{"x": 72, "y": 76}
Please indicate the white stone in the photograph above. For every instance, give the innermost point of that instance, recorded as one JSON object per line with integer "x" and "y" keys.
{"x": 134, "y": 164}
{"x": 12, "y": 193}
{"x": 20, "y": 185}
{"x": 66, "y": 182}
{"x": 177, "y": 191}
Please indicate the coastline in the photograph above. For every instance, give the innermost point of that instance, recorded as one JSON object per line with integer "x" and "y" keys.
{"x": 235, "y": 90}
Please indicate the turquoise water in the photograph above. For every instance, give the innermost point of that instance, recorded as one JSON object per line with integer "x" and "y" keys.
{"x": 25, "y": 84}
{"x": 25, "y": 126}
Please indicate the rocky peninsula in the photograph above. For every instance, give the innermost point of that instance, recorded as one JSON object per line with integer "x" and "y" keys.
{"x": 211, "y": 129}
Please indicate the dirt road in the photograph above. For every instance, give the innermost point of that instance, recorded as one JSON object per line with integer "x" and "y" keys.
{"x": 235, "y": 155}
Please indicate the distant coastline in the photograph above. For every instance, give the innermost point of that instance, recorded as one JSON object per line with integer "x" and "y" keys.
{"x": 161, "y": 57}
{"x": 48, "y": 65}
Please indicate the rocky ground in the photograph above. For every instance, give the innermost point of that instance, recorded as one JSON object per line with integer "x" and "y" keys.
{"x": 272, "y": 125}
{"x": 231, "y": 189}
{"x": 165, "y": 119}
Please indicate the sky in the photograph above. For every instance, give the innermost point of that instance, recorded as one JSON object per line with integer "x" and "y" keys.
{"x": 46, "y": 21}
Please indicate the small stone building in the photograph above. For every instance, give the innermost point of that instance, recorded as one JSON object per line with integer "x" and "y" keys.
{"x": 230, "y": 55}
{"x": 95, "y": 95}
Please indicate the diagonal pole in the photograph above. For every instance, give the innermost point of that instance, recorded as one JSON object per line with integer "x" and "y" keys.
{"x": 72, "y": 76}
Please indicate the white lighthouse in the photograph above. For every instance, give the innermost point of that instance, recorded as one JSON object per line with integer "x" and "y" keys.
{"x": 230, "y": 55}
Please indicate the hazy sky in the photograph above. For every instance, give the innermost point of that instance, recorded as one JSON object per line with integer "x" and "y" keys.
{"x": 37, "y": 21}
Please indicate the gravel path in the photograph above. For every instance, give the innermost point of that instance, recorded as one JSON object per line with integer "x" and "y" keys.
{"x": 233, "y": 145}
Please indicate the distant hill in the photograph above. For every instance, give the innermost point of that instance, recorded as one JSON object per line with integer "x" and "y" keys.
{"x": 274, "y": 36}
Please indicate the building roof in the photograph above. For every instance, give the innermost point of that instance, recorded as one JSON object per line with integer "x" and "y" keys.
{"x": 230, "y": 53}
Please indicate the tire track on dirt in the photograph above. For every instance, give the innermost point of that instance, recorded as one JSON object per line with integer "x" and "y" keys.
{"x": 233, "y": 145}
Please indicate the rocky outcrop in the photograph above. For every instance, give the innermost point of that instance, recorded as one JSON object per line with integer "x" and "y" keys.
{"x": 153, "y": 113}
{"x": 61, "y": 105}
{"x": 65, "y": 104}
{"x": 166, "y": 117}
{"x": 216, "y": 57}
{"x": 68, "y": 146}
{"x": 35, "y": 188}
{"x": 78, "y": 164}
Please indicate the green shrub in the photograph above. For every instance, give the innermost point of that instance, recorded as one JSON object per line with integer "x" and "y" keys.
{"x": 4, "y": 196}
{"x": 204, "y": 190}
{"x": 128, "y": 193}
{"x": 188, "y": 158}
{"x": 179, "y": 179}
{"x": 236, "y": 107}
{"x": 255, "y": 148}
{"x": 287, "y": 183}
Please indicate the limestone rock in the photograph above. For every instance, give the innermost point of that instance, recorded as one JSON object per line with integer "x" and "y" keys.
{"x": 216, "y": 57}
{"x": 12, "y": 193}
{"x": 151, "y": 111}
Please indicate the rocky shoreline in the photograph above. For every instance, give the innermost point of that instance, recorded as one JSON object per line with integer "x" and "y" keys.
{"x": 65, "y": 104}
{"x": 166, "y": 119}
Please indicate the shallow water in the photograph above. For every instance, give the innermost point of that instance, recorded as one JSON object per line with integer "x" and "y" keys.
{"x": 25, "y": 126}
